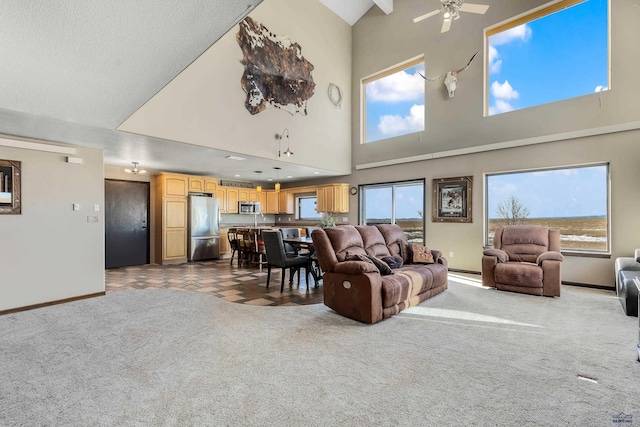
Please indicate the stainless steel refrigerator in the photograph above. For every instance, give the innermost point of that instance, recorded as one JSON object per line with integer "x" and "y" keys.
{"x": 204, "y": 227}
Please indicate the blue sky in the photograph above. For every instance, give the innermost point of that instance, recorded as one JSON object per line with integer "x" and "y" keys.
{"x": 409, "y": 200}
{"x": 559, "y": 56}
{"x": 553, "y": 193}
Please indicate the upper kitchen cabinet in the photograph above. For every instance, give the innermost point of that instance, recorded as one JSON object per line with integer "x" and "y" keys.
{"x": 173, "y": 185}
{"x": 333, "y": 198}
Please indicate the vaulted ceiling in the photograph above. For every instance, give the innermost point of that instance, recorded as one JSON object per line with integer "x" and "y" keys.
{"x": 73, "y": 70}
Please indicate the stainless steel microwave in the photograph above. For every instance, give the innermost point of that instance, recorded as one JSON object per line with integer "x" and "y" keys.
{"x": 249, "y": 208}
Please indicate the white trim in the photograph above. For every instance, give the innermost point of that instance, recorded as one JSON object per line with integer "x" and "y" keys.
{"x": 37, "y": 146}
{"x": 623, "y": 127}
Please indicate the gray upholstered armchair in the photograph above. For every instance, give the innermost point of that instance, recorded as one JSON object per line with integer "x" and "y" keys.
{"x": 524, "y": 258}
{"x": 627, "y": 269}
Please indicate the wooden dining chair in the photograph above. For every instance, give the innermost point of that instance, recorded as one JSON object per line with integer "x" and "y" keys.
{"x": 277, "y": 257}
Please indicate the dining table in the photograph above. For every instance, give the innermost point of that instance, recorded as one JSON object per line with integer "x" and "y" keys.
{"x": 307, "y": 243}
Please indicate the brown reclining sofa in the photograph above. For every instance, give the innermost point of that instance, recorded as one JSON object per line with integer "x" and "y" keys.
{"x": 356, "y": 289}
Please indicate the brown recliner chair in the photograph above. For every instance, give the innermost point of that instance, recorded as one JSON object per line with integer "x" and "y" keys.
{"x": 524, "y": 258}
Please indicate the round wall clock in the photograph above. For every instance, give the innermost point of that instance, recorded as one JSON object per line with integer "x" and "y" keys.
{"x": 353, "y": 190}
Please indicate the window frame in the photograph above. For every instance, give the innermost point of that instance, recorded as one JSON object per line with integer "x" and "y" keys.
{"x": 299, "y": 216}
{"x": 532, "y": 15}
{"x": 572, "y": 251}
{"x": 377, "y": 76}
{"x": 392, "y": 184}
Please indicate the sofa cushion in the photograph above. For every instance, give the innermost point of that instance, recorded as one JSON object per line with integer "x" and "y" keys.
{"x": 393, "y": 261}
{"x": 382, "y": 266}
{"x": 355, "y": 267}
{"x": 373, "y": 241}
{"x": 345, "y": 238}
{"x": 421, "y": 254}
{"x": 396, "y": 241}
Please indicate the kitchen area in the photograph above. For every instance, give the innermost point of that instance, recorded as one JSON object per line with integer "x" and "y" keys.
{"x": 178, "y": 204}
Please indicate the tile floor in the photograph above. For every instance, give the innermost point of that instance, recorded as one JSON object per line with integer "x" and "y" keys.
{"x": 245, "y": 285}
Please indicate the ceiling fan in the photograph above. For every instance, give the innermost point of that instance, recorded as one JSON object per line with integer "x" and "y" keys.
{"x": 451, "y": 11}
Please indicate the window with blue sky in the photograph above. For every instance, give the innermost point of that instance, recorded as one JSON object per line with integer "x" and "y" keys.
{"x": 553, "y": 54}
{"x": 394, "y": 102}
{"x": 572, "y": 199}
{"x": 400, "y": 203}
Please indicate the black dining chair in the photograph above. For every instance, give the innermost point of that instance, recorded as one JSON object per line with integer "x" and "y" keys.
{"x": 288, "y": 233}
{"x": 276, "y": 257}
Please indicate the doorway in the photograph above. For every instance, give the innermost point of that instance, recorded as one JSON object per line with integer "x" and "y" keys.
{"x": 126, "y": 215}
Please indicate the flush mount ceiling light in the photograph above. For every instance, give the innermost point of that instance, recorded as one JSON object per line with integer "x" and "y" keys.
{"x": 235, "y": 158}
{"x": 279, "y": 137}
{"x": 135, "y": 169}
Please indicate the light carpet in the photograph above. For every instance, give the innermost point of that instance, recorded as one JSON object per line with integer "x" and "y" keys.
{"x": 470, "y": 356}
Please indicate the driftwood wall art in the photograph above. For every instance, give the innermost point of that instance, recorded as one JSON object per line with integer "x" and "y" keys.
{"x": 275, "y": 72}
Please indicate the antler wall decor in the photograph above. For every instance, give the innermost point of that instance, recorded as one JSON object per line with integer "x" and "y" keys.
{"x": 451, "y": 77}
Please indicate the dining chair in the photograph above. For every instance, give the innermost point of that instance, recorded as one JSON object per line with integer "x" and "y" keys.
{"x": 277, "y": 257}
{"x": 288, "y": 233}
{"x": 234, "y": 243}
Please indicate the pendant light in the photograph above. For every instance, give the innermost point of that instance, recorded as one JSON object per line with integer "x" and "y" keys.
{"x": 277, "y": 187}
{"x": 258, "y": 187}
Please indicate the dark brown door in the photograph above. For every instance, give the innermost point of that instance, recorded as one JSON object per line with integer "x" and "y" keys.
{"x": 126, "y": 212}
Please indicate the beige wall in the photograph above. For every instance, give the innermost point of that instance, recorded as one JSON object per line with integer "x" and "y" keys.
{"x": 621, "y": 150}
{"x": 204, "y": 105}
{"x": 381, "y": 41}
{"x": 459, "y": 123}
{"x": 51, "y": 252}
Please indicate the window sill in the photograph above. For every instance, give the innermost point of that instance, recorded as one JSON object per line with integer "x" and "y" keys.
{"x": 586, "y": 254}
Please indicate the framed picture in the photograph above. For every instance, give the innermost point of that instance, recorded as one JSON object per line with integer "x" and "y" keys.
{"x": 452, "y": 199}
{"x": 10, "y": 201}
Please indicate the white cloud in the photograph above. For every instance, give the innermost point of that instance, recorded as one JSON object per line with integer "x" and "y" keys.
{"x": 503, "y": 91}
{"x": 521, "y": 32}
{"x": 495, "y": 64}
{"x": 563, "y": 172}
{"x": 502, "y": 190}
{"x": 392, "y": 124}
{"x": 500, "y": 106}
{"x": 601, "y": 88}
{"x": 397, "y": 87}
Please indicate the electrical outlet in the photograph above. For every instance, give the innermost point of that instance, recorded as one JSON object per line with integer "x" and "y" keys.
{"x": 92, "y": 219}
{"x": 345, "y": 219}
{"x": 289, "y": 219}
{"x": 450, "y": 254}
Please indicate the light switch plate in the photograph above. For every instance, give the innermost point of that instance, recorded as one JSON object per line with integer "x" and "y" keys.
{"x": 76, "y": 206}
{"x": 96, "y": 208}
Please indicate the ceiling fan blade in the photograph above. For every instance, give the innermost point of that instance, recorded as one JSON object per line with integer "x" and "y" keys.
{"x": 426, "y": 15}
{"x": 446, "y": 25}
{"x": 474, "y": 8}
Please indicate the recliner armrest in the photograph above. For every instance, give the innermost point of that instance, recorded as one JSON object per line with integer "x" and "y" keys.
{"x": 501, "y": 255}
{"x": 549, "y": 256}
{"x": 637, "y": 255}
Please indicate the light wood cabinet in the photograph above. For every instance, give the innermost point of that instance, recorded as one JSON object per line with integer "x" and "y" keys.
{"x": 333, "y": 198}
{"x": 243, "y": 194}
{"x": 173, "y": 185}
{"x": 254, "y": 196}
{"x": 271, "y": 206}
{"x": 285, "y": 202}
{"x": 196, "y": 184}
{"x": 222, "y": 195}
{"x": 210, "y": 185}
{"x": 262, "y": 198}
{"x": 224, "y": 242}
{"x": 171, "y": 217}
{"x": 232, "y": 195}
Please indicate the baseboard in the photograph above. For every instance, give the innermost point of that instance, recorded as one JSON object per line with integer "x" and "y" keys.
{"x": 582, "y": 285}
{"x": 455, "y": 270}
{"x": 47, "y": 304}
{"x": 589, "y": 285}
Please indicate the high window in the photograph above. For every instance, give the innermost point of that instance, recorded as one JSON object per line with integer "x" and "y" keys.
{"x": 394, "y": 102}
{"x": 400, "y": 203}
{"x": 557, "y": 52}
{"x": 307, "y": 208}
{"x": 573, "y": 200}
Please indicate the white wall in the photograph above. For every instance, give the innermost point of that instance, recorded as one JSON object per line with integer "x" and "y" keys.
{"x": 51, "y": 252}
{"x": 204, "y": 105}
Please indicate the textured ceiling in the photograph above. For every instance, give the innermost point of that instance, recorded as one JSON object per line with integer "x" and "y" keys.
{"x": 73, "y": 70}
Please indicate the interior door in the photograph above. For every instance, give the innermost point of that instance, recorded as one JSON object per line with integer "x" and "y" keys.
{"x": 126, "y": 214}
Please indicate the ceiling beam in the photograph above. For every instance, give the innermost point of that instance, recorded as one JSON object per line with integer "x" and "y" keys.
{"x": 385, "y": 5}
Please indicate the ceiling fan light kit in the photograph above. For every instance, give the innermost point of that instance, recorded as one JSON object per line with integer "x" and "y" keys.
{"x": 450, "y": 10}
